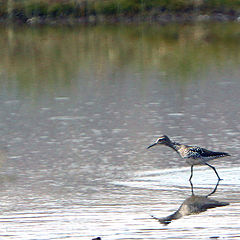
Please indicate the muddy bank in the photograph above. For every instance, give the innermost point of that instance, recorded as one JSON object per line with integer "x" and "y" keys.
{"x": 95, "y": 19}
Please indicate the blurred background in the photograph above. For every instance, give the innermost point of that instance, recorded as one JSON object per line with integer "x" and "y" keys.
{"x": 81, "y": 102}
{"x": 98, "y": 10}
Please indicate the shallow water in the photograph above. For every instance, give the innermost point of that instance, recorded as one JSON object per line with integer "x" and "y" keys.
{"x": 80, "y": 105}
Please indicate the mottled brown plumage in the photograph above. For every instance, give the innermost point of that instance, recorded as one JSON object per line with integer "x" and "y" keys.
{"x": 192, "y": 154}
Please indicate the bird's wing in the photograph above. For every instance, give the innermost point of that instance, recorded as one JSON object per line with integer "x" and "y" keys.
{"x": 197, "y": 152}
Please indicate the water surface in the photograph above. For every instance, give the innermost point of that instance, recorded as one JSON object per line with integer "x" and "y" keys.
{"x": 80, "y": 105}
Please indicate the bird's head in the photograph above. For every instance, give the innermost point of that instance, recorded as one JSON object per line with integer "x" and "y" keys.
{"x": 162, "y": 140}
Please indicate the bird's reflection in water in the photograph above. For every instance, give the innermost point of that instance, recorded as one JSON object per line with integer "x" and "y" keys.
{"x": 194, "y": 204}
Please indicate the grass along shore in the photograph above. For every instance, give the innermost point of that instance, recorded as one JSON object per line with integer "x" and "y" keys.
{"x": 117, "y": 10}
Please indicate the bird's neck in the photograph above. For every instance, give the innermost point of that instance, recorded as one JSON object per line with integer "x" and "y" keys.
{"x": 174, "y": 145}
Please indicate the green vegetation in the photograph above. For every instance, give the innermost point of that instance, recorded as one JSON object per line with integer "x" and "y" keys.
{"x": 26, "y": 9}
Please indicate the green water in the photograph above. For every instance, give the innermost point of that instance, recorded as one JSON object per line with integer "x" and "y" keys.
{"x": 43, "y": 58}
{"x": 78, "y": 107}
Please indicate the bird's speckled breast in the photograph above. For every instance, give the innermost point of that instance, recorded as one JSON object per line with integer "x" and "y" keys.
{"x": 185, "y": 152}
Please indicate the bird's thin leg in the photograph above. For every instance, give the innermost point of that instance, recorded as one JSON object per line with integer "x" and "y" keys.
{"x": 191, "y": 173}
{"x": 214, "y": 170}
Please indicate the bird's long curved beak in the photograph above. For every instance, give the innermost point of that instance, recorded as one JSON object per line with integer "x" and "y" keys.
{"x": 151, "y": 145}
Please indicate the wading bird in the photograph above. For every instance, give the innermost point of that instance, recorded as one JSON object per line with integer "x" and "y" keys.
{"x": 192, "y": 154}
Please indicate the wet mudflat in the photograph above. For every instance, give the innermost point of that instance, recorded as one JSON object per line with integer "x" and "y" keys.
{"x": 80, "y": 105}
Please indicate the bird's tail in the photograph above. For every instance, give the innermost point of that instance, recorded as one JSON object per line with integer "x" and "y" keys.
{"x": 223, "y": 154}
